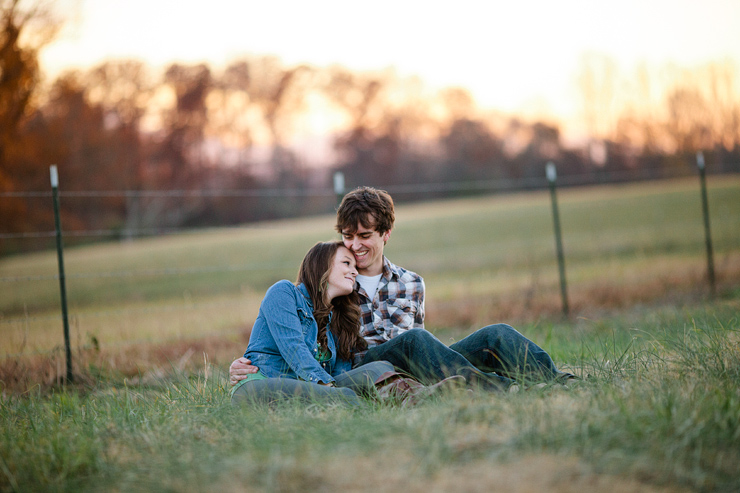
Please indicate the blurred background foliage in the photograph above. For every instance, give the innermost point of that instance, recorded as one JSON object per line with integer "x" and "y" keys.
{"x": 272, "y": 135}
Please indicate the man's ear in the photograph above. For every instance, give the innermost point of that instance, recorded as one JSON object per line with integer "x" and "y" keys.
{"x": 386, "y": 236}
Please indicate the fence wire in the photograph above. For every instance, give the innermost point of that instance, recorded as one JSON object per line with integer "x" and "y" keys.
{"x": 118, "y": 311}
{"x": 149, "y": 272}
{"x": 492, "y": 186}
{"x": 477, "y": 186}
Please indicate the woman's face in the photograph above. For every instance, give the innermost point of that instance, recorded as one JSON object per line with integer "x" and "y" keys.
{"x": 342, "y": 274}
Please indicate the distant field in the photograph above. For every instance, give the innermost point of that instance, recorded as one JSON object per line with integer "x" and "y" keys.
{"x": 484, "y": 259}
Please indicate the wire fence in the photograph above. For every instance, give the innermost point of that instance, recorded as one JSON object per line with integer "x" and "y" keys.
{"x": 409, "y": 191}
{"x": 41, "y": 315}
{"x": 147, "y": 272}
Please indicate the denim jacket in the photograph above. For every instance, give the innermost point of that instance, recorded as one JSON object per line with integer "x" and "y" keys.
{"x": 283, "y": 340}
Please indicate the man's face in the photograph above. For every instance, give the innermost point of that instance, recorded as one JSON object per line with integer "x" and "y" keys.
{"x": 366, "y": 245}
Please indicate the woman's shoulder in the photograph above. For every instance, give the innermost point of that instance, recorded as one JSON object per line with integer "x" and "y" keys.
{"x": 282, "y": 285}
{"x": 281, "y": 288}
{"x": 281, "y": 294}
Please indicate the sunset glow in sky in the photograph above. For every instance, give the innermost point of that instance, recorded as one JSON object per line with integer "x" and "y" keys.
{"x": 514, "y": 56}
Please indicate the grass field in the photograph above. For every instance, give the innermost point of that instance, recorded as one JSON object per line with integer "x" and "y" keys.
{"x": 658, "y": 410}
{"x": 155, "y": 323}
{"x": 483, "y": 259}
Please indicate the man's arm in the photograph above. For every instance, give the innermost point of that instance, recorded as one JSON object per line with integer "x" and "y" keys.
{"x": 239, "y": 370}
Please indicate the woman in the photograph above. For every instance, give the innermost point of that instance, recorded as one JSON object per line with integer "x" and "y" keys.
{"x": 306, "y": 334}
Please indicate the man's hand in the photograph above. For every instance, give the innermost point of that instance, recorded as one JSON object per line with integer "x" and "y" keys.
{"x": 239, "y": 370}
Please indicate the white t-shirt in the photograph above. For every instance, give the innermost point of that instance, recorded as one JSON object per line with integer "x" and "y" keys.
{"x": 369, "y": 284}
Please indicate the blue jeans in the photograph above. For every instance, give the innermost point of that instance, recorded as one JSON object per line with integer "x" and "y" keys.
{"x": 502, "y": 349}
{"x": 348, "y": 385}
{"x": 491, "y": 358}
{"x": 424, "y": 357}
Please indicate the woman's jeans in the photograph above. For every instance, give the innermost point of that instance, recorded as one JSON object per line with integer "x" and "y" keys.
{"x": 348, "y": 385}
{"x": 496, "y": 348}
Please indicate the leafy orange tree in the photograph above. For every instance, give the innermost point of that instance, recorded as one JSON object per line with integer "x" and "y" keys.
{"x": 24, "y": 29}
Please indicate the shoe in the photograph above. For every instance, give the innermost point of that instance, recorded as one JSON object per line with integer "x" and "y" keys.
{"x": 408, "y": 392}
{"x": 425, "y": 392}
{"x": 565, "y": 379}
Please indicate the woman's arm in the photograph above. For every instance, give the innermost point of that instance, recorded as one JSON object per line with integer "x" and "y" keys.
{"x": 286, "y": 328}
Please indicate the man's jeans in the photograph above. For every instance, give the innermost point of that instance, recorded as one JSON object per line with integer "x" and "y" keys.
{"x": 496, "y": 348}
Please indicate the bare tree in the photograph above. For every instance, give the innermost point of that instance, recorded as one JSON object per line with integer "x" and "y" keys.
{"x": 185, "y": 123}
{"x": 689, "y": 120}
{"x": 123, "y": 89}
{"x": 597, "y": 81}
{"x": 362, "y": 98}
{"x": 231, "y": 116}
{"x": 457, "y": 104}
{"x": 724, "y": 102}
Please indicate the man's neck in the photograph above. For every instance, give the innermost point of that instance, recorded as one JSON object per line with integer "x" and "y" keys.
{"x": 371, "y": 271}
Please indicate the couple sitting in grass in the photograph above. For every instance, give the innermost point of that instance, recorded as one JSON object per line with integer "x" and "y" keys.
{"x": 305, "y": 342}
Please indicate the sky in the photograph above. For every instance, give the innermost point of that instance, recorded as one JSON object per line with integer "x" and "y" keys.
{"x": 517, "y": 56}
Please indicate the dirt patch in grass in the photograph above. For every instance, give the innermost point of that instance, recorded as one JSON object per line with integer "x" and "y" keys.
{"x": 519, "y": 475}
{"x": 529, "y": 474}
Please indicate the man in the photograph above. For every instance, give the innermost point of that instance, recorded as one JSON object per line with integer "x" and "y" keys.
{"x": 392, "y": 314}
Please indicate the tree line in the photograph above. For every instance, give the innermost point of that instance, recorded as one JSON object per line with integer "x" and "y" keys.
{"x": 256, "y": 125}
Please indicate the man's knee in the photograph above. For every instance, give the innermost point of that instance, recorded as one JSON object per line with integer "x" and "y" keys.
{"x": 415, "y": 336}
{"x": 496, "y": 333}
{"x": 498, "y": 328}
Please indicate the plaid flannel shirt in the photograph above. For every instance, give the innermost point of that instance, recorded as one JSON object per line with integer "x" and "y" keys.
{"x": 398, "y": 305}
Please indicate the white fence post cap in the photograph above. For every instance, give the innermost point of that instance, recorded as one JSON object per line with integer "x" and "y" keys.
{"x": 339, "y": 183}
{"x": 551, "y": 172}
{"x": 700, "y": 159}
{"x": 54, "y": 176}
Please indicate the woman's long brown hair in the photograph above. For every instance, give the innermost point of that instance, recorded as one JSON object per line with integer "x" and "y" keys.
{"x": 345, "y": 320}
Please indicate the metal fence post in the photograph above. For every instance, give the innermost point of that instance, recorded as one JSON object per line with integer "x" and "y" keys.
{"x": 551, "y": 177}
{"x": 339, "y": 186}
{"x": 707, "y": 232}
{"x": 60, "y": 259}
